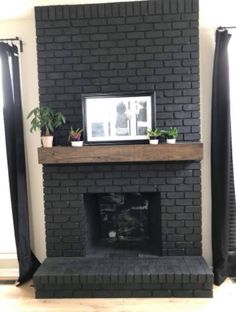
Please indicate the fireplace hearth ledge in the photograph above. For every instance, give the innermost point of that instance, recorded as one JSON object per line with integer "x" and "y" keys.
{"x": 89, "y": 277}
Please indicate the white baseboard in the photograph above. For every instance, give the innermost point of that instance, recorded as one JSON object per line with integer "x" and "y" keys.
{"x": 9, "y": 274}
{"x": 8, "y": 256}
{"x": 8, "y": 266}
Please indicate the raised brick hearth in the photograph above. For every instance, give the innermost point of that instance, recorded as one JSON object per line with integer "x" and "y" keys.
{"x": 123, "y": 277}
{"x": 122, "y": 47}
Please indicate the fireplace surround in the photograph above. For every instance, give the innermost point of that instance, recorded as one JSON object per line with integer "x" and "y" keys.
{"x": 176, "y": 268}
{"x": 65, "y": 187}
{"x": 142, "y": 46}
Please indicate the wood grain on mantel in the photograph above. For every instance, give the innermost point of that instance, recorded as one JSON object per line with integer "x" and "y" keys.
{"x": 121, "y": 153}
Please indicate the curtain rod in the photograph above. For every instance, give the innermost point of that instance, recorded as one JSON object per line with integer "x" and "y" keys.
{"x": 227, "y": 27}
{"x": 14, "y": 39}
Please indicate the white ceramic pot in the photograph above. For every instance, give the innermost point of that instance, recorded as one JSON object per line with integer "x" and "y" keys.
{"x": 77, "y": 143}
{"x": 171, "y": 141}
{"x": 154, "y": 141}
{"x": 47, "y": 141}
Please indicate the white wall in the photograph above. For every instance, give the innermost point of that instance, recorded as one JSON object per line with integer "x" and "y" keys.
{"x": 17, "y": 19}
{"x": 25, "y": 29}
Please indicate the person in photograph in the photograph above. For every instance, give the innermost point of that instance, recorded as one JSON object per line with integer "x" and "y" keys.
{"x": 122, "y": 120}
{"x": 142, "y": 111}
{"x": 141, "y": 118}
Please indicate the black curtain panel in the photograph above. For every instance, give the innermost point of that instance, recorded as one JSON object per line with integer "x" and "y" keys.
{"x": 220, "y": 156}
{"x": 12, "y": 113}
{"x": 232, "y": 225}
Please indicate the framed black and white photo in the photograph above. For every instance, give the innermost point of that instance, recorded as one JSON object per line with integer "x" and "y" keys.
{"x": 111, "y": 118}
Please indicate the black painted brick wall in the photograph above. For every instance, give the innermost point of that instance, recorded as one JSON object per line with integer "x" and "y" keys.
{"x": 117, "y": 47}
{"x": 178, "y": 184}
{"x": 122, "y": 47}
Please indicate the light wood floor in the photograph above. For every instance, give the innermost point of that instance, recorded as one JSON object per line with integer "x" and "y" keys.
{"x": 15, "y": 299}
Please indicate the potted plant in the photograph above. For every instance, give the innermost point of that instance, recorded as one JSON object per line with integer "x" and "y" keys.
{"x": 162, "y": 138}
{"x": 154, "y": 135}
{"x": 46, "y": 120}
{"x": 171, "y": 135}
{"x": 75, "y": 136}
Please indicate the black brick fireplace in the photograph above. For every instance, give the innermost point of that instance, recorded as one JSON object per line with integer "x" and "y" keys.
{"x": 122, "y": 47}
{"x": 78, "y": 262}
{"x": 67, "y": 186}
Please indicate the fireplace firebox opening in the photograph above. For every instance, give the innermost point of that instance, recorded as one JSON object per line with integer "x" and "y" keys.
{"x": 123, "y": 224}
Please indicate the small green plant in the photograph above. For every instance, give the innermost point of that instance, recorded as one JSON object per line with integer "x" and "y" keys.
{"x": 172, "y": 133}
{"x": 154, "y": 133}
{"x": 75, "y": 135}
{"x": 45, "y": 119}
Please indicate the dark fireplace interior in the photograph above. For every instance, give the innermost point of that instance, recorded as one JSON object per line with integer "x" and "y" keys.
{"x": 127, "y": 224}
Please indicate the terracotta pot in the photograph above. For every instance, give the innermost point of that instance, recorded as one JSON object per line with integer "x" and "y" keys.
{"x": 47, "y": 141}
{"x": 77, "y": 143}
